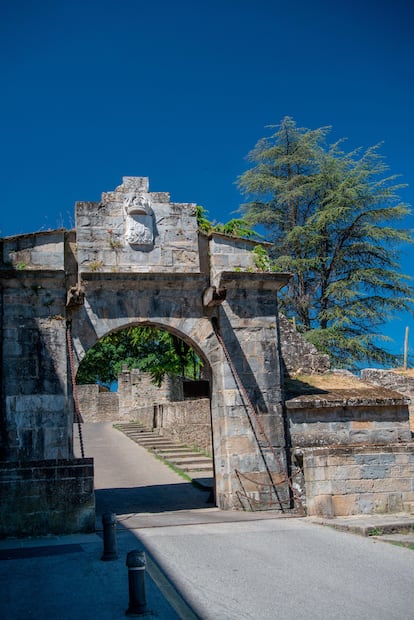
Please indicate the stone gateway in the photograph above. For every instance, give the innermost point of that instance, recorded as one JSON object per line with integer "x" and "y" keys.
{"x": 135, "y": 258}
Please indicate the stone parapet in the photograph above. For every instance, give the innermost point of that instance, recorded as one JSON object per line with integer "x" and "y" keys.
{"x": 343, "y": 417}
{"x": 398, "y": 382}
{"x": 34, "y": 251}
{"x": 97, "y": 404}
{"x": 229, "y": 253}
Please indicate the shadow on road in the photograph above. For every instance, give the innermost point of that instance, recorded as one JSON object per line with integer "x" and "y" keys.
{"x": 155, "y": 498}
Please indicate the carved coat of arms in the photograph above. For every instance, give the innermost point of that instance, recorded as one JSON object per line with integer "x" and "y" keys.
{"x": 139, "y": 219}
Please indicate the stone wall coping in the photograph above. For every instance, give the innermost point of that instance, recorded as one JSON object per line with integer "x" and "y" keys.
{"x": 361, "y": 397}
{"x": 269, "y": 281}
{"x": 338, "y": 450}
{"x": 39, "y": 233}
{"x": 254, "y": 242}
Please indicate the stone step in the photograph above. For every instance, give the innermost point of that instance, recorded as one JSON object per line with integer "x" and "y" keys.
{"x": 150, "y": 438}
{"x": 173, "y": 453}
{"x": 192, "y": 459}
{"x": 196, "y": 468}
{"x": 154, "y": 444}
{"x": 142, "y": 435}
{"x": 195, "y": 464}
{"x": 181, "y": 447}
{"x": 137, "y": 428}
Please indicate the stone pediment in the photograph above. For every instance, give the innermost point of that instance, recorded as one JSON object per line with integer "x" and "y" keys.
{"x": 133, "y": 229}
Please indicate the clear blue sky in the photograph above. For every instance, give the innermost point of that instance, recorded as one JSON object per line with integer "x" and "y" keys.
{"x": 180, "y": 91}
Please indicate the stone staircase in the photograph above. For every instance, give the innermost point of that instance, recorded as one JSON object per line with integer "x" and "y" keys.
{"x": 193, "y": 464}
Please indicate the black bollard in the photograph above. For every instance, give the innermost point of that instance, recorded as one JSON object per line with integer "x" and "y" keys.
{"x": 136, "y": 563}
{"x": 109, "y": 531}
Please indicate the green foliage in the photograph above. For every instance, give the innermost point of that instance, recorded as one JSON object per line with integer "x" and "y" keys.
{"x": 203, "y": 223}
{"x": 261, "y": 258}
{"x": 148, "y": 348}
{"x": 234, "y": 228}
{"x": 331, "y": 217}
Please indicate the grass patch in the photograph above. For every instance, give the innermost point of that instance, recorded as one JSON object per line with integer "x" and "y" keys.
{"x": 402, "y": 544}
{"x": 174, "y": 468}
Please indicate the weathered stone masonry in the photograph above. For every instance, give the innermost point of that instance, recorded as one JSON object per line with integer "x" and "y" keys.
{"x": 355, "y": 449}
{"x": 135, "y": 258}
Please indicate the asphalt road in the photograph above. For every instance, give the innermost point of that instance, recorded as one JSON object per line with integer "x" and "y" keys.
{"x": 230, "y": 565}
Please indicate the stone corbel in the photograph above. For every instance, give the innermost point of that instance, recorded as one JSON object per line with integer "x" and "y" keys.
{"x": 75, "y": 296}
{"x": 214, "y": 296}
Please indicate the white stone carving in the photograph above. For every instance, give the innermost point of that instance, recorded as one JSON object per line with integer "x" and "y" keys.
{"x": 139, "y": 221}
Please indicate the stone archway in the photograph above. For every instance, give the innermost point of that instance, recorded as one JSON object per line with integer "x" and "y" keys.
{"x": 171, "y": 417}
{"x": 136, "y": 257}
{"x": 98, "y": 316}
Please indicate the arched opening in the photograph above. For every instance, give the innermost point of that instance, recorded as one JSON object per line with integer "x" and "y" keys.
{"x": 153, "y": 385}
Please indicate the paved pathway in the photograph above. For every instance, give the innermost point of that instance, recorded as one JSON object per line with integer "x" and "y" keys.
{"x": 202, "y": 562}
{"x": 129, "y": 480}
{"x": 231, "y": 565}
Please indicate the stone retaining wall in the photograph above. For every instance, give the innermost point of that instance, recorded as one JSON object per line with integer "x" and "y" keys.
{"x": 355, "y": 451}
{"x": 354, "y": 480}
{"x": 187, "y": 422}
{"x": 97, "y": 404}
{"x": 53, "y": 496}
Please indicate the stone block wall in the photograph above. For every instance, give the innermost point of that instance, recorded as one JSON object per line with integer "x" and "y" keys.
{"x": 146, "y": 416}
{"x": 136, "y": 390}
{"x": 394, "y": 381}
{"x": 97, "y": 404}
{"x": 37, "y": 414}
{"x": 353, "y": 480}
{"x": 230, "y": 254}
{"x": 39, "y": 498}
{"x": 188, "y": 422}
{"x": 42, "y": 250}
{"x": 355, "y": 451}
{"x": 347, "y": 425}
